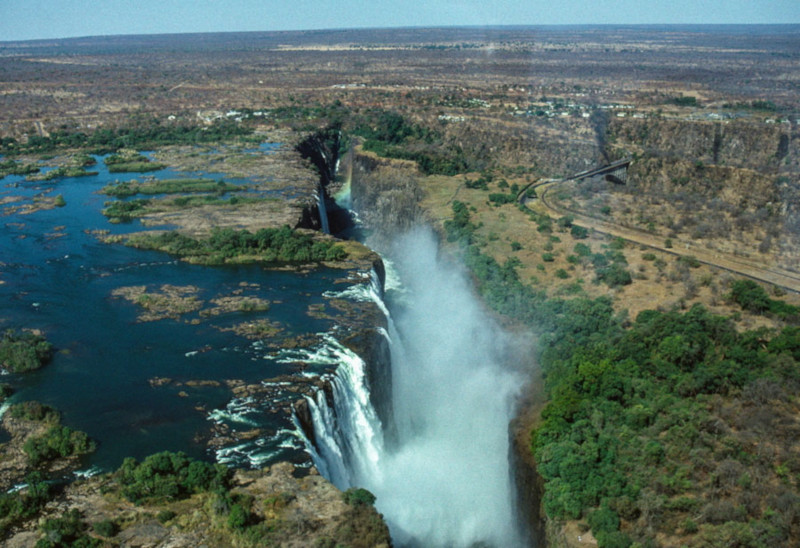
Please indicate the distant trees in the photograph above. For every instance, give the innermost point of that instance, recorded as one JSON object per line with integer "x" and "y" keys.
{"x": 144, "y": 134}
{"x": 389, "y": 134}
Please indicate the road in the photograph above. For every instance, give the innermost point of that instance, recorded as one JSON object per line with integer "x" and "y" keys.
{"x": 783, "y": 278}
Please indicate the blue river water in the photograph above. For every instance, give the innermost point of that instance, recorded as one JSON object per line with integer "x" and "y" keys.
{"x": 56, "y": 276}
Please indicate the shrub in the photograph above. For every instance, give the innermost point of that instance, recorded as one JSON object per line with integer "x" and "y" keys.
{"x": 617, "y": 243}
{"x": 548, "y": 257}
{"x": 356, "y": 496}
{"x": 582, "y": 250}
{"x": 107, "y": 528}
{"x": 565, "y": 222}
{"x": 685, "y": 101}
{"x": 238, "y": 518}
{"x": 125, "y": 211}
{"x": 750, "y": 296}
{"x": 614, "y": 539}
{"x": 165, "y": 515}
{"x": 57, "y": 442}
{"x": 68, "y": 530}
{"x": 603, "y": 520}
{"x": 614, "y": 275}
{"x": 24, "y": 351}
{"x": 19, "y": 505}
{"x": 578, "y": 232}
{"x": 34, "y": 411}
{"x": 168, "y": 476}
{"x": 500, "y": 198}
{"x": 689, "y": 260}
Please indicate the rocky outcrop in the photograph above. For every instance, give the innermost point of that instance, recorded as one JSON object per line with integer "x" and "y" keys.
{"x": 295, "y": 512}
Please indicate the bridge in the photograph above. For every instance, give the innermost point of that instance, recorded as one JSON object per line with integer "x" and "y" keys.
{"x": 616, "y": 172}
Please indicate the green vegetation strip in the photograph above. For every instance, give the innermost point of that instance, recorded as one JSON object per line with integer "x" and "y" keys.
{"x": 226, "y": 245}
{"x": 137, "y": 167}
{"x": 10, "y": 167}
{"x": 119, "y": 211}
{"x": 131, "y": 162}
{"x": 168, "y": 186}
{"x": 147, "y": 133}
{"x": 63, "y": 171}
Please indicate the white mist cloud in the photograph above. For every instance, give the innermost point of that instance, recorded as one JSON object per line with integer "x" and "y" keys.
{"x": 447, "y": 481}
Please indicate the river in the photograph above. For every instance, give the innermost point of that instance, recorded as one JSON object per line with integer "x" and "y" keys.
{"x": 138, "y": 387}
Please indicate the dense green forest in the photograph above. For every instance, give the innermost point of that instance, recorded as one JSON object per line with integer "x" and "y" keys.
{"x": 657, "y": 426}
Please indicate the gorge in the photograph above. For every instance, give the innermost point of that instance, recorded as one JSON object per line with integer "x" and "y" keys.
{"x": 437, "y": 457}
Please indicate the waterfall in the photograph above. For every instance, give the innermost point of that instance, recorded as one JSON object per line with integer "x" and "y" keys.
{"x": 444, "y": 480}
{"x": 323, "y": 210}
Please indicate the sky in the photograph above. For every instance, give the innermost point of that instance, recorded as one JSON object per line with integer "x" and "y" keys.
{"x": 43, "y": 19}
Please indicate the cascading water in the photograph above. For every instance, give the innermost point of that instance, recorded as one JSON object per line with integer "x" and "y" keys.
{"x": 323, "y": 211}
{"x": 444, "y": 478}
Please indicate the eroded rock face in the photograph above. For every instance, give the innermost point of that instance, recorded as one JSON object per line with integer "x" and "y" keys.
{"x": 386, "y": 195}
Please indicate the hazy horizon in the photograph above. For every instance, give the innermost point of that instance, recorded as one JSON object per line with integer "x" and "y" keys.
{"x": 25, "y": 20}
{"x": 423, "y": 27}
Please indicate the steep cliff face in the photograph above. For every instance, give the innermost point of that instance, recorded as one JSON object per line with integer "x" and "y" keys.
{"x": 529, "y": 484}
{"x": 737, "y": 143}
{"x": 385, "y": 194}
{"x": 321, "y": 149}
